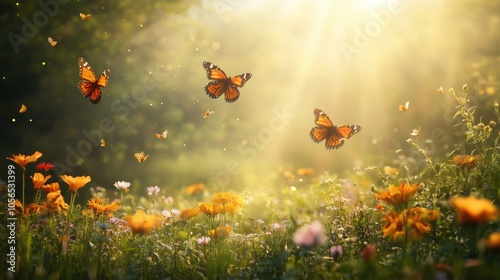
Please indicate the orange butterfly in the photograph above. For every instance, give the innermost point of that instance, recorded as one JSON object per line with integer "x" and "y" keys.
{"x": 84, "y": 16}
{"x": 162, "y": 136}
{"x": 334, "y": 135}
{"x": 89, "y": 86}
{"x": 52, "y": 42}
{"x": 141, "y": 157}
{"x": 223, "y": 84}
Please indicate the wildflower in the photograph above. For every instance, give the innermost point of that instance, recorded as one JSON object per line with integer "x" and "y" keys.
{"x": 54, "y": 203}
{"x": 32, "y": 208}
{"x": 336, "y": 251}
{"x": 379, "y": 207}
{"x": 153, "y": 190}
{"x": 210, "y": 208}
{"x": 44, "y": 166}
{"x": 18, "y": 207}
{"x": 220, "y": 231}
{"x": 492, "y": 123}
{"x": 369, "y": 253}
{"x": 75, "y": 183}
{"x": 189, "y": 213}
{"x": 397, "y": 195}
{"x": 466, "y": 162}
{"x": 22, "y": 160}
{"x": 494, "y": 242}
{"x": 99, "y": 207}
{"x": 141, "y": 222}
{"x": 390, "y": 170}
{"x": 394, "y": 226}
{"x": 203, "y": 240}
{"x": 276, "y": 226}
{"x": 429, "y": 215}
{"x": 288, "y": 175}
{"x": 196, "y": 188}
{"x": 52, "y": 187}
{"x": 38, "y": 180}
{"x": 474, "y": 211}
{"x": 227, "y": 197}
{"x": 310, "y": 235}
{"x": 122, "y": 185}
{"x": 305, "y": 172}
{"x": 417, "y": 225}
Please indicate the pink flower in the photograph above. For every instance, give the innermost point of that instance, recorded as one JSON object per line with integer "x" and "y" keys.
{"x": 336, "y": 251}
{"x": 153, "y": 190}
{"x": 310, "y": 235}
{"x": 203, "y": 240}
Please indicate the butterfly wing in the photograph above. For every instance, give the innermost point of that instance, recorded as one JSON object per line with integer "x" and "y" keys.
{"x": 232, "y": 91}
{"x": 323, "y": 128}
{"x": 214, "y": 72}
{"x": 340, "y": 134}
{"x": 216, "y": 89}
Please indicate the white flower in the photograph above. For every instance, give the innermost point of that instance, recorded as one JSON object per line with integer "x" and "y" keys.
{"x": 203, "y": 240}
{"x": 122, "y": 185}
{"x": 153, "y": 190}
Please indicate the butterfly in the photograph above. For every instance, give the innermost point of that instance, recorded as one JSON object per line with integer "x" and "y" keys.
{"x": 415, "y": 132}
{"x": 335, "y": 135}
{"x": 162, "y": 135}
{"x": 89, "y": 86}
{"x": 51, "y": 41}
{"x": 84, "y": 16}
{"x": 208, "y": 113}
{"x": 223, "y": 84}
{"x": 103, "y": 143}
{"x": 141, "y": 157}
{"x": 404, "y": 107}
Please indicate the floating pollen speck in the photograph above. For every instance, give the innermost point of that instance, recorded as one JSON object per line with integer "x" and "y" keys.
{"x": 141, "y": 157}
{"x": 440, "y": 90}
{"x": 23, "y": 109}
{"x": 162, "y": 136}
{"x": 404, "y": 107}
{"x": 208, "y": 113}
{"x": 415, "y": 132}
{"x": 52, "y": 42}
{"x": 84, "y": 16}
{"x": 103, "y": 143}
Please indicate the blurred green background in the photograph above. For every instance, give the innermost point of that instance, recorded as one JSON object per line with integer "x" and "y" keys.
{"x": 356, "y": 60}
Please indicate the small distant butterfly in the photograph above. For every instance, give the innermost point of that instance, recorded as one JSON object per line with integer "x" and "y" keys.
{"x": 52, "y": 42}
{"x": 162, "y": 135}
{"x": 103, "y": 143}
{"x": 208, "y": 113}
{"x": 404, "y": 107}
{"x": 415, "y": 132}
{"x": 23, "y": 108}
{"x": 89, "y": 86}
{"x": 141, "y": 157}
{"x": 440, "y": 90}
{"x": 84, "y": 16}
{"x": 334, "y": 136}
{"x": 223, "y": 84}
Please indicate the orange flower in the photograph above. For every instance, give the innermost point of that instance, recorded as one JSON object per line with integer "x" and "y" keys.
{"x": 397, "y": 195}
{"x": 189, "y": 213}
{"x": 305, "y": 172}
{"x": 75, "y": 183}
{"x": 22, "y": 160}
{"x": 210, "y": 208}
{"x": 52, "y": 187}
{"x": 394, "y": 226}
{"x": 417, "y": 225}
{"x": 38, "y": 180}
{"x": 98, "y": 206}
{"x": 231, "y": 207}
{"x": 54, "y": 203}
{"x": 466, "y": 162}
{"x": 390, "y": 170}
{"x": 474, "y": 211}
{"x": 494, "y": 242}
{"x": 227, "y": 197}
{"x": 18, "y": 207}
{"x": 220, "y": 231}
{"x": 429, "y": 215}
{"x": 32, "y": 208}
{"x": 196, "y": 188}
{"x": 141, "y": 222}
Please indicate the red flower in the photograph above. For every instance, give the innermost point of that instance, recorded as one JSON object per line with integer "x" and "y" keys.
{"x": 44, "y": 166}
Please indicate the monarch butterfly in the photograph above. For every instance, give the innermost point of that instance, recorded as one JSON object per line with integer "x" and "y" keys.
{"x": 223, "y": 84}
{"x": 141, "y": 157}
{"x": 162, "y": 135}
{"x": 334, "y": 135}
{"x": 89, "y": 86}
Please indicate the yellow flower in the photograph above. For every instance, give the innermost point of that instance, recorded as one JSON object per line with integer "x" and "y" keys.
{"x": 22, "y": 160}
{"x": 98, "y": 206}
{"x": 189, "y": 213}
{"x": 474, "y": 211}
{"x": 52, "y": 187}
{"x": 75, "y": 183}
{"x": 428, "y": 215}
{"x": 220, "y": 231}
{"x": 141, "y": 222}
{"x": 196, "y": 188}
{"x": 394, "y": 226}
{"x": 397, "y": 195}
{"x": 466, "y": 162}
{"x": 38, "y": 180}
{"x": 32, "y": 208}
{"x": 54, "y": 203}
{"x": 227, "y": 197}
{"x": 494, "y": 242}
{"x": 390, "y": 170}
{"x": 210, "y": 208}
{"x": 417, "y": 225}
